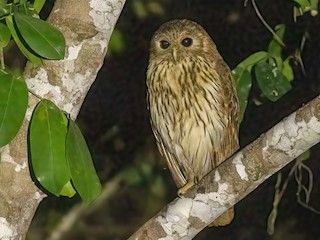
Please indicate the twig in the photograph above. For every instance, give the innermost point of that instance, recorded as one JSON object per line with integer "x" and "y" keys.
{"x": 266, "y": 24}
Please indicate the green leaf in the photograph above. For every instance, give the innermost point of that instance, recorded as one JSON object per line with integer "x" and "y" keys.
{"x": 275, "y": 48}
{"x": 47, "y": 138}
{"x": 23, "y": 6}
{"x": 278, "y": 62}
{"x": 271, "y": 81}
{"x": 68, "y": 190}
{"x": 117, "y": 42}
{"x": 287, "y": 70}
{"x": 13, "y": 106}
{"x": 38, "y": 5}
{"x": 132, "y": 176}
{"x": 3, "y": 3}
{"x": 156, "y": 8}
{"x": 4, "y": 12}
{"x": 244, "y": 83}
{"x": 140, "y": 8}
{"x": 83, "y": 173}
{"x": 314, "y": 4}
{"x": 303, "y": 3}
{"x": 5, "y": 35}
{"x": 44, "y": 39}
{"x": 253, "y": 59}
{"x": 304, "y": 156}
{"x": 31, "y": 57}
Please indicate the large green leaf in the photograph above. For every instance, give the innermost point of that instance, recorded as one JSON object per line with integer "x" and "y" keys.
{"x": 253, "y": 59}
{"x": 83, "y": 173}
{"x": 244, "y": 83}
{"x": 5, "y": 35}
{"x": 31, "y": 57}
{"x": 47, "y": 140}
{"x": 242, "y": 75}
{"x": 303, "y": 3}
{"x": 40, "y": 36}
{"x": 38, "y": 4}
{"x": 13, "y": 106}
{"x": 271, "y": 81}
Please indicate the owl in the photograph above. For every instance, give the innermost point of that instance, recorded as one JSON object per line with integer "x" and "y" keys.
{"x": 193, "y": 103}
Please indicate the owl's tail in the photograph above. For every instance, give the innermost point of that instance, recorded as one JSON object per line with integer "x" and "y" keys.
{"x": 224, "y": 219}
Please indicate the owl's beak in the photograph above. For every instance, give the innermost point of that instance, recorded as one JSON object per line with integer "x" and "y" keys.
{"x": 175, "y": 54}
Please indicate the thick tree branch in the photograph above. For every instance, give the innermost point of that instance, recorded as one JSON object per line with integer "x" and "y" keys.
{"x": 222, "y": 188}
{"x": 87, "y": 26}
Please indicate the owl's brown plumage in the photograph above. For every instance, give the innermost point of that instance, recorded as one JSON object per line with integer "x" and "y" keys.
{"x": 192, "y": 101}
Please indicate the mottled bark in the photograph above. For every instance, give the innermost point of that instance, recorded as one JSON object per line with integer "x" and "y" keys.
{"x": 87, "y": 26}
{"x": 222, "y": 188}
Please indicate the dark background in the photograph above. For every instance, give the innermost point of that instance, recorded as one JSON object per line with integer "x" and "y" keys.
{"x": 114, "y": 120}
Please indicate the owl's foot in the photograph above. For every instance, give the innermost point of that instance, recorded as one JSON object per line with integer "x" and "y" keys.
{"x": 225, "y": 219}
{"x": 185, "y": 188}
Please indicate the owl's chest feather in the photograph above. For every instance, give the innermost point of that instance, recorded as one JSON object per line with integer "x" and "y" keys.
{"x": 187, "y": 104}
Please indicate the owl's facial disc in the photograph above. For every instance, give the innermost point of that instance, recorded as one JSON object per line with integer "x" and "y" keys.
{"x": 177, "y": 40}
{"x": 176, "y": 46}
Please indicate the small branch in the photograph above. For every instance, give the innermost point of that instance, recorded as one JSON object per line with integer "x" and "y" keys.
{"x": 256, "y": 9}
{"x": 234, "y": 179}
{"x": 80, "y": 210}
{"x": 278, "y": 196}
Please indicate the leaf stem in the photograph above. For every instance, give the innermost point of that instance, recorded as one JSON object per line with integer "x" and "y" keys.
{"x": 34, "y": 94}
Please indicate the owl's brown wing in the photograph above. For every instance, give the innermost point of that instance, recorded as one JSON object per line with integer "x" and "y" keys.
{"x": 173, "y": 165}
{"x": 230, "y": 143}
{"x": 231, "y": 106}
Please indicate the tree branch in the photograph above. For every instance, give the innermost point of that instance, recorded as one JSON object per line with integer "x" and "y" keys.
{"x": 222, "y": 188}
{"x": 87, "y": 27}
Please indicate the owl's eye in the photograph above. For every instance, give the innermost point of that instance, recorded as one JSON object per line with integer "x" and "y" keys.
{"x": 164, "y": 44}
{"x": 187, "y": 42}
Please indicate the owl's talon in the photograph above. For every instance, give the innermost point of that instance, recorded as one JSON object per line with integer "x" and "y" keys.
{"x": 185, "y": 188}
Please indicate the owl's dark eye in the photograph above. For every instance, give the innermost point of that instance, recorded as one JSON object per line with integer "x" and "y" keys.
{"x": 187, "y": 42}
{"x": 164, "y": 44}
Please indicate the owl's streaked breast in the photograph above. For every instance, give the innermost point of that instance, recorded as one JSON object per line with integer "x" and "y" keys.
{"x": 186, "y": 115}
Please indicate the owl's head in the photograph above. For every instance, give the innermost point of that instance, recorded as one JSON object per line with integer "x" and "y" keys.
{"x": 177, "y": 39}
